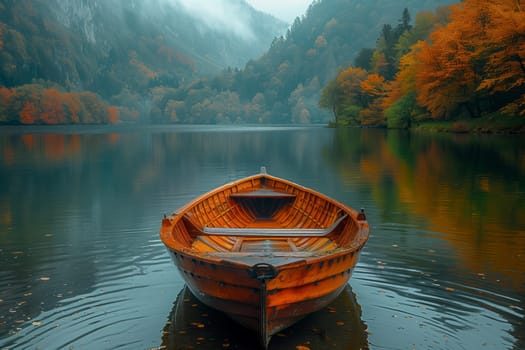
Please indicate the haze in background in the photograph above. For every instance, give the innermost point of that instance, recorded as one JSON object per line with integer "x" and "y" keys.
{"x": 286, "y": 10}
{"x": 222, "y": 15}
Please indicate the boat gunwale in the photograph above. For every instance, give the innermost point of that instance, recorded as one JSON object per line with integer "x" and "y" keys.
{"x": 187, "y": 207}
{"x": 360, "y": 239}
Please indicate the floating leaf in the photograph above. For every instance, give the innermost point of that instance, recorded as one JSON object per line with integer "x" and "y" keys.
{"x": 449, "y": 289}
{"x": 36, "y": 323}
{"x": 45, "y": 278}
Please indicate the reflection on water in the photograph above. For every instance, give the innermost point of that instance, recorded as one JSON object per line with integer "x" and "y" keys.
{"x": 468, "y": 189}
{"x": 192, "y": 325}
{"x": 448, "y": 252}
{"x": 81, "y": 264}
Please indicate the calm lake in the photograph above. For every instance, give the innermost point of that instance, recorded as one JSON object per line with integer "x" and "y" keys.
{"x": 82, "y": 266}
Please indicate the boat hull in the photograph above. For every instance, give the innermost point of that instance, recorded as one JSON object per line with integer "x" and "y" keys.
{"x": 297, "y": 290}
{"x": 265, "y": 251}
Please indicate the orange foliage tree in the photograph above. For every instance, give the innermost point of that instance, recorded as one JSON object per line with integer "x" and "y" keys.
{"x": 52, "y": 107}
{"x": 113, "y": 115}
{"x": 343, "y": 95}
{"x": 374, "y": 89}
{"x": 504, "y": 76}
{"x": 474, "y": 59}
{"x": 28, "y": 113}
{"x": 35, "y": 104}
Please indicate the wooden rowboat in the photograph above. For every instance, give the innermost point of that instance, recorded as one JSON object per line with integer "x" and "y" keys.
{"x": 264, "y": 250}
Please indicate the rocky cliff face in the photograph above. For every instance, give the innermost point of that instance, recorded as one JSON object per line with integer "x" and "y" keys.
{"x": 78, "y": 16}
{"x": 86, "y": 44}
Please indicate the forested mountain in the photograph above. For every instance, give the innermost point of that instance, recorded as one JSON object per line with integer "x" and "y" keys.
{"x": 117, "y": 51}
{"x": 85, "y": 61}
{"x": 283, "y": 86}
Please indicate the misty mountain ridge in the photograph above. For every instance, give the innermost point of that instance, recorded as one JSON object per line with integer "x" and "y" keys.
{"x": 67, "y": 35}
{"x": 284, "y": 85}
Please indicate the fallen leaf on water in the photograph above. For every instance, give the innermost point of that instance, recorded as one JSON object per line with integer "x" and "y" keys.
{"x": 36, "y": 323}
{"x": 45, "y": 278}
{"x": 448, "y": 289}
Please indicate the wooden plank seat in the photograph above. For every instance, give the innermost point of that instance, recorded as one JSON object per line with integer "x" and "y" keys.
{"x": 273, "y": 232}
{"x": 262, "y": 193}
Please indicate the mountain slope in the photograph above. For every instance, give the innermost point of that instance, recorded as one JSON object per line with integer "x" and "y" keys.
{"x": 105, "y": 46}
{"x": 283, "y": 86}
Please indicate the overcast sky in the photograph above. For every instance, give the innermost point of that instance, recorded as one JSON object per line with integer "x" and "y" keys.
{"x": 286, "y": 10}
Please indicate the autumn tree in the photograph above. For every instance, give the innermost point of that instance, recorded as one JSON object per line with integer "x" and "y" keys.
{"x": 374, "y": 89}
{"x": 28, "y": 113}
{"x": 344, "y": 95}
{"x": 113, "y": 115}
{"x": 504, "y": 71}
{"x": 400, "y": 104}
{"x": 475, "y": 63}
{"x": 51, "y": 107}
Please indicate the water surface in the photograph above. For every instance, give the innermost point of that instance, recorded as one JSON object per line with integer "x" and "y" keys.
{"x": 81, "y": 264}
